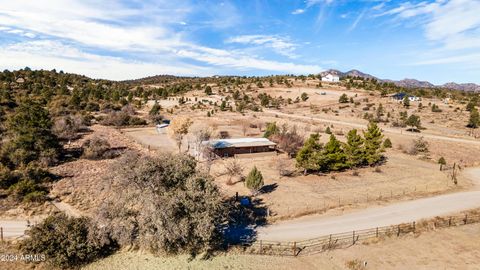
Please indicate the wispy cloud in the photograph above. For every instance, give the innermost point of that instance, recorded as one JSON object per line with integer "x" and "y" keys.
{"x": 452, "y": 26}
{"x": 357, "y": 21}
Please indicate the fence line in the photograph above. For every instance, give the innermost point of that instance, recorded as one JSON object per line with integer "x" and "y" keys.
{"x": 347, "y": 239}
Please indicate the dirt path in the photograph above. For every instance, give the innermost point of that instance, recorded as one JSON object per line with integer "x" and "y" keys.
{"x": 13, "y": 228}
{"x": 315, "y": 226}
{"x": 16, "y": 228}
{"x": 384, "y": 129}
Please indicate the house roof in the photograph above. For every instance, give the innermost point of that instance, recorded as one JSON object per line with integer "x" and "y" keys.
{"x": 239, "y": 142}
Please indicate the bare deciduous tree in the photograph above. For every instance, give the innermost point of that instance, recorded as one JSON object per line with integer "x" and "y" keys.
{"x": 179, "y": 128}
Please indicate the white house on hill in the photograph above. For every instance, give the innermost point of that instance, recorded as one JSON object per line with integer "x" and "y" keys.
{"x": 330, "y": 78}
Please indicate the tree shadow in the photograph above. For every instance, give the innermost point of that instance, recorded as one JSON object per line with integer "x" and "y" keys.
{"x": 269, "y": 188}
{"x": 243, "y": 221}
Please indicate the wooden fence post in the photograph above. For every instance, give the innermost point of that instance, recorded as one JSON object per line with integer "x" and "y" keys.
{"x": 465, "y": 220}
{"x": 261, "y": 247}
{"x": 376, "y": 232}
{"x": 1, "y": 234}
{"x": 414, "y": 227}
{"x": 398, "y": 230}
{"x": 449, "y": 221}
{"x": 294, "y": 249}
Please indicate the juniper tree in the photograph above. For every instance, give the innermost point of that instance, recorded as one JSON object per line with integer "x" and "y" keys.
{"x": 29, "y": 135}
{"x": 442, "y": 162}
{"x": 254, "y": 180}
{"x": 474, "y": 120}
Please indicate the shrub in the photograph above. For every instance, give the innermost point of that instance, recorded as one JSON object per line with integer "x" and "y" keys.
{"x": 181, "y": 209}
{"x": 387, "y": 143}
{"x": 95, "y": 148}
{"x": 343, "y": 98}
{"x": 67, "y": 127}
{"x": 254, "y": 180}
{"x": 66, "y": 242}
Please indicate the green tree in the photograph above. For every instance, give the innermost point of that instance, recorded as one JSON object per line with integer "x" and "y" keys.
{"x": 304, "y": 96}
{"x": 270, "y": 130}
{"x": 208, "y": 90}
{"x": 343, "y": 98}
{"x": 474, "y": 120}
{"x": 155, "y": 109}
{"x": 373, "y": 143}
{"x": 65, "y": 241}
{"x": 387, "y": 143}
{"x": 254, "y": 180}
{"x": 307, "y": 156}
{"x": 414, "y": 122}
{"x": 29, "y": 135}
{"x": 354, "y": 149}
{"x": 442, "y": 162}
{"x": 406, "y": 102}
{"x": 333, "y": 156}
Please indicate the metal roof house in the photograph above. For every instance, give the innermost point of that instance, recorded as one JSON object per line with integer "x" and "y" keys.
{"x": 232, "y": 147}
{"x": 401, "y": 96}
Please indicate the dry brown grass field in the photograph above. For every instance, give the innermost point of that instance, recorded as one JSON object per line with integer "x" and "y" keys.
{"x": 452, "y": 248}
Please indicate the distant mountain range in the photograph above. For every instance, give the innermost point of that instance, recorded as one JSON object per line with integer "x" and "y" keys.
{"x": 408, "y": 83}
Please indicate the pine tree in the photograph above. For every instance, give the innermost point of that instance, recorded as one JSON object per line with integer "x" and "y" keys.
{"x": 254, "y": 180}
{"x": 307, "y": 156}
{"x": 333, "y": 156}
{"x": 373, "y": 143}
{"x": 354, "y": 149}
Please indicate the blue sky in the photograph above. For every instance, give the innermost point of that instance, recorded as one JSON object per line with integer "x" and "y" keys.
{"x": 435, "y": 40}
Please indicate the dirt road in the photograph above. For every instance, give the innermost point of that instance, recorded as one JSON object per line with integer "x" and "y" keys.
{"x": 315, "y": 226}
{"x": 13, "y": 228}
{"x": 384, "y": 129}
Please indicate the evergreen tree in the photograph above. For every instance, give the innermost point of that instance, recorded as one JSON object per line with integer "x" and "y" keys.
{"x": 413, "y": 121}
{"x": 354, "y": 149}
{"x": 270, "y": 130}
{"x": 373, "y": 143}
{"x": 406, "y": 102}
{"x": 307, "y": 156}
{"x": 442, "y": 162}
{"x": 333, "y": 156}
{"x": 343, "y": 98}
{"x": 29, "y": 135}
{"x": 208, "y": 90}
{"x": 254, "y": 180}
{"x": 155, "y": 109}
{"x": 474, "y": 120}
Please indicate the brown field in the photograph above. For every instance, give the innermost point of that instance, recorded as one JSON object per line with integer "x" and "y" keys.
{"x": 452, "y": 248}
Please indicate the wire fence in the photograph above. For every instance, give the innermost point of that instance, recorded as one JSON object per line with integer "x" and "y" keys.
{"x": 347, "y": 239}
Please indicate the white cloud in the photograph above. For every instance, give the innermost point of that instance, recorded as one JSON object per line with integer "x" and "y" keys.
{"x": 298, "y": 11}
{"x": 280, "y": 45}
{"x": 357, "y": 21}
{"x": 451, "y": 26}
{"x": 144, "y": 30}
{"x": 55, "y": 55}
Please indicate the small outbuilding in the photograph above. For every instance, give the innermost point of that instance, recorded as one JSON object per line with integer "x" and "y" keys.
{"x": 232, "y": 147}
